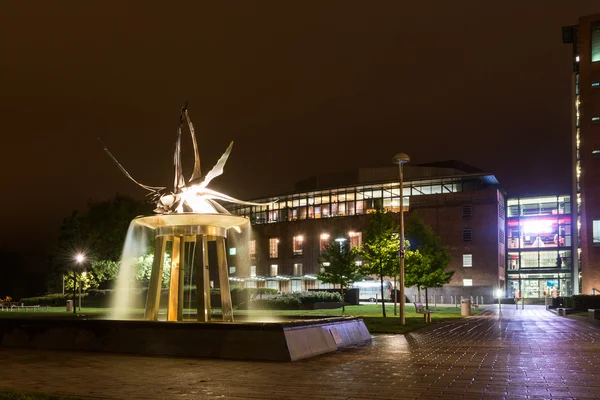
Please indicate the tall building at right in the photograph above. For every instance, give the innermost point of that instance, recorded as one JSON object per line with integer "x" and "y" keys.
{"x": 585, "y": 38}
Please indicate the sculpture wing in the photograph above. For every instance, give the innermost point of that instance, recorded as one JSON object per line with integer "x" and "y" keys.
{"x": 124, "y": 171}
{"x": 179, "y": 181}
{"x": 196, "y": 174}
{"x": 212, "y": 194}
{"x": 218, "y": 168}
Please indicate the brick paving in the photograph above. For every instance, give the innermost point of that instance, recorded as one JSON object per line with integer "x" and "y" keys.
{"x": 518, "y": 354}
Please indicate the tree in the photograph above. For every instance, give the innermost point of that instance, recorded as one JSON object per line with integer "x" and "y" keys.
{"x": 338, "y": 266}
{"x": 427, "y": 269}
{"x": 99, "y": 233}
{"x": 380, "y": 250}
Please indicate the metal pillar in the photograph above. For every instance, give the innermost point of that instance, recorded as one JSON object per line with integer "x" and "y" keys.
{"x": 226, "y": 305}
{"x": 181, "y": 284}
{"x": 155, "y": 284}
{"x": 202, "y": 279}
{"x": 174, "y": 283}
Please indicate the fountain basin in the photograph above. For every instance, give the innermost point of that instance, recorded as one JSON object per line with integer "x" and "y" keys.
{"x": 287, "y": 341}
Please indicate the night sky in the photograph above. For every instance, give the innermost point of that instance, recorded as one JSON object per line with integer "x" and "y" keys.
{"x": 300, "y": 87}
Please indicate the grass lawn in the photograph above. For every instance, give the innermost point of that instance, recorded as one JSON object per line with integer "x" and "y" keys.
{"x": 10, "y": 395}
{"x": 370, "y": 313}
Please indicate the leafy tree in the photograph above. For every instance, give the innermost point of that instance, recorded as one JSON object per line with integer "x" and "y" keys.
{"x": 338, "y": 266}
{"x": 428, "y": 268}
{"x": 380, "y": 250}
{"x": 99, "y": 233}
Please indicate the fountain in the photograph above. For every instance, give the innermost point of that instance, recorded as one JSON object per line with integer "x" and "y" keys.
{"x": 189, "y": 217}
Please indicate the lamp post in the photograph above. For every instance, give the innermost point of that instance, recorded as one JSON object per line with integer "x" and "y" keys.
{"x": 79, "y": 259}
{"x": 400, "y": 159}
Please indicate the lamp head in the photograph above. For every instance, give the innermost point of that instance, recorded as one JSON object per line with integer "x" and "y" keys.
{"x": 80, "y": 258}
{"x": 401, "y": 158}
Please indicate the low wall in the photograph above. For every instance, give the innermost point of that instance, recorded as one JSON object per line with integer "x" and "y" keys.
{"x": 252, "y": 341}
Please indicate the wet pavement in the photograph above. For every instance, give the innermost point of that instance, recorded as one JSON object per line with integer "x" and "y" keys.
{"x": 518, "y": 354}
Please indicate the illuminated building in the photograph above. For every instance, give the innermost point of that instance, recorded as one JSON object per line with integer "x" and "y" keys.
{"x": 585, "y": 38}
{"x": 540, "y": 246}
{"x": 463, "y": 205}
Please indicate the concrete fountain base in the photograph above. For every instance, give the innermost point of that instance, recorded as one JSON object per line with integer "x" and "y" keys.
{"x": 288, "y": 341}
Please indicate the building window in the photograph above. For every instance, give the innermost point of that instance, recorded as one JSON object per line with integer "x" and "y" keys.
{"x": 467, "y": 235}
{"x": 232, "y": 270}
{"x": 296, "y": 285}
{"x": 252, "y": 247}
{"x": 596, "y": 233}
{"x": 253, "y": 270}
{"x": 297, "y": 269}
{"x": 323, "y": 241}
{"x": 273, "y": 248}
{"x": 358, "y": 263}
{"x": 273, "y": 270}
{"x": 297, "y": 245}
{"x": 355, "y": 239}
{"x": 273, "y": 284}
{"x": 595, "y": 119}
{"x": 467, "y": 282}
{"x": 232, "y": 251}
{"x": 595, "y": 41}
{"x": 467, "y": 260}
{"x": 467, "y": 210}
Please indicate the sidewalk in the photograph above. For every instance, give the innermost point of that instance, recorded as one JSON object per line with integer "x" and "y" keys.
{"x": 517, "y": 354}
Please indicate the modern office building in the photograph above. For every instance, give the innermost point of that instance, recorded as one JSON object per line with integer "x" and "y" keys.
{"x": 463, "y": 205}
{"x": 585, "y": 38}
{"x": 540, "y": 246}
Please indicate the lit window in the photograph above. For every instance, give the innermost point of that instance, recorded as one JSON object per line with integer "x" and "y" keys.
{"x": 355, "y": 239}
{"x": 253, "y": 270}
{"x": 232, "y": 251}
{"x": 252, "y": 247}
{"x": 595, "y": 40}
{"x": 323, "y": 241}
{"x": 467, "y": 235}
{"x": 467, "y": 210}
{"x": 467, "y": 282}
{"x": 595, "y": 119}
{"x": 595, "y": 84}
{"x": 596, "y": 233}
{"x": 358, "y": 263}
{"x": 297, "y": 245}
{"x": 273, "y": 248}
{"x": 297, "y": 269}
{"x": 467, "y": 260}
{"x": 596, "y": 152}
{"x": 232, "y": 270}
{"x": 273, "y": 270}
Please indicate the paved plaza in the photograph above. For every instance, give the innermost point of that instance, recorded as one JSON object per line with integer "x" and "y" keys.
{"x": 518, "y": 354}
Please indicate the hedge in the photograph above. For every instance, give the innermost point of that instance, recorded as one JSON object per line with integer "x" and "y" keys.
{"x": 293, "y": 301}
{"x": 585, "y": 301}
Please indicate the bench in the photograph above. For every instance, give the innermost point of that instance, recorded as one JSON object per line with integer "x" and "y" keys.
{"x": 563, "y": 311}
{"x": 420, "y": 309}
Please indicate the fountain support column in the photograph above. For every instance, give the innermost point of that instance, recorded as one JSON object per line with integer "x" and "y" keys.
{"x": 202, "y": 279}
{"x": 155, "y": 284}
{"x": 226, "y": 305}
{"x": 173, "y": 308}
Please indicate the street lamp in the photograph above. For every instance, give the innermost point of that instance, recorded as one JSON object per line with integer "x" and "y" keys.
{"x": 79, "y": 259}
{"x": 400, "y": 159}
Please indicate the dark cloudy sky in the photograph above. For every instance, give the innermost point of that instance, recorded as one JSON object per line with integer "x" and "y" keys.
{"x": 301, "y": 87}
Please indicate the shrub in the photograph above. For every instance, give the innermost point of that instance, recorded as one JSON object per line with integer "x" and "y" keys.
{"x": 54, "y": 299}
{"x": 291, "y": 301}
{"x": 586, "y": 301}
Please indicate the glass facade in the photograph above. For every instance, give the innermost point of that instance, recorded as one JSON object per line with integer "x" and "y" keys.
{"x": 539, "y": 246}
{"x": 354, "y": 200}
